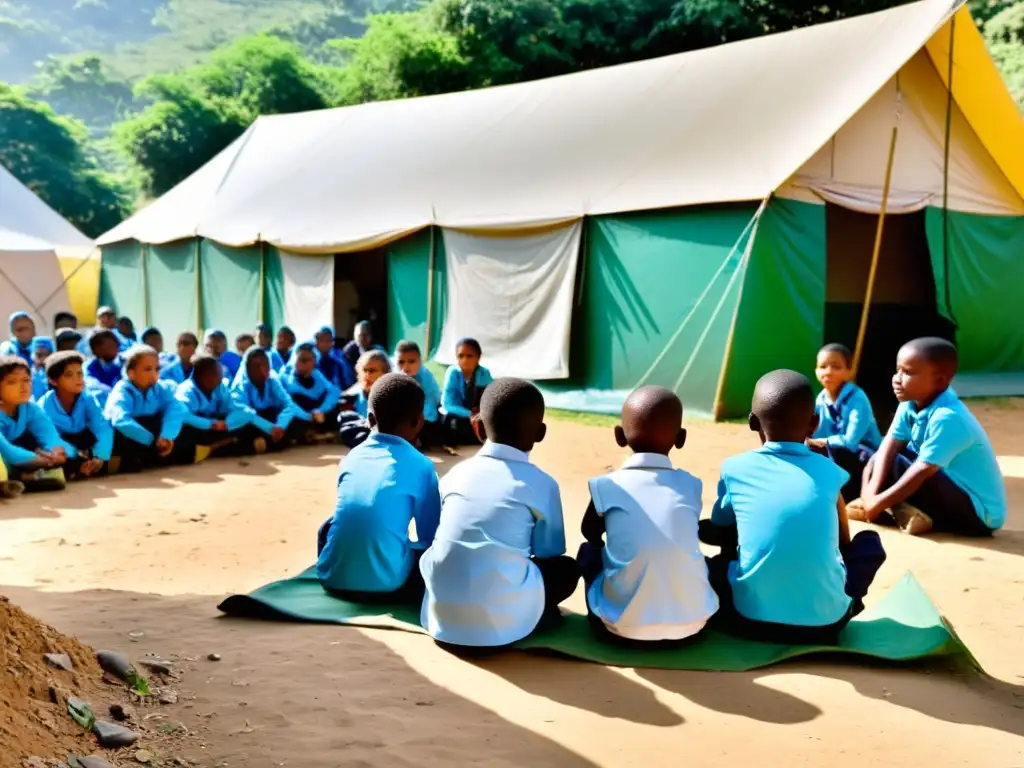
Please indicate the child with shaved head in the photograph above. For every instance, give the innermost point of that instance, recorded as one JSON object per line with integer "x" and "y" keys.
{"x": 936, "y": 469}
{"x": 789, "y": 571}
{"x": 647, "y": 581}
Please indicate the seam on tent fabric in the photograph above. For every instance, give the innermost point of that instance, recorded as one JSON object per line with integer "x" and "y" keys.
{"x": 74, "y": 272}
{"x": 714, "y": 278}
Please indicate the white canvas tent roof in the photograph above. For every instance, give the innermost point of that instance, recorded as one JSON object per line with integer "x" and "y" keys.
{"x": 32, "y": 236}
{"x": 730, "y": 123}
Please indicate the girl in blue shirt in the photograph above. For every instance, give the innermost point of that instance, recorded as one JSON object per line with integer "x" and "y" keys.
{"x": 87, "y": 437}
{"x": 847, "y": 432}
{"x": 30, "y": 447}
{"x": 273, "y": 413}
{"x": 316, "y": 398}
{"x": 23, "y": 330}
{"x": 42, "y": 348}
{"x": 464, "y": 385}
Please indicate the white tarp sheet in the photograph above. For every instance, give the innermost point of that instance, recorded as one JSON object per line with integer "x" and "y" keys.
{"x": 308, "y": 292}
{"x": 514, "y": 295}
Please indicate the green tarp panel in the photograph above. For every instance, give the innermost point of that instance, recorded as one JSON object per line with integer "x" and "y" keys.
{"x": 658, "y": 297}
{"x": 230, "y": 288}
{"x": 982, "y": 292}
{"x": 781, "y": 316}
{"x": 122, "y": 283}
{"x": 408, "y": 267}
{"x": 171, "y": 280}
{"x": 273, "y": 289}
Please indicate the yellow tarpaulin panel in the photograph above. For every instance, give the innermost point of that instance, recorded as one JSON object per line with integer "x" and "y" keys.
{"x": 981, "y": 94}
{"x": 83, "y": 285}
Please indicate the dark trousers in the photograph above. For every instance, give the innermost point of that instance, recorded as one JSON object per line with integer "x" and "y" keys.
{"x": 310, "y": 404}
{"x": 293, "y": 433}
{"x": 945, "y": 502}
{"x": 863, "y": 557}
{"x": 432, "y": 434}
{"x": 410, "y": 593}
{"x": 458, "y": 431}
{"x": 353, "y": 429}
{"x": 560, "y": 574}
{"x": 853, "y": 462}
{"x": 84, "y": 442}
{"x": 136, "y": 456}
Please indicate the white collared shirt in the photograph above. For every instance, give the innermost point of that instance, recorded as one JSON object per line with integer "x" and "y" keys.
{"x": 654, "y": 585}
{"x": 497, "y": 510}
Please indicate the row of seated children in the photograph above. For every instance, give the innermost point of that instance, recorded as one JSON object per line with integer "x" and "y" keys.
{"x": 488, "y": 565}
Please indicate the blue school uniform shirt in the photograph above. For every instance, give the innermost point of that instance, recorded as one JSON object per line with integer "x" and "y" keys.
{"x": 315, "y": 387}
{"x": 336, "y": 370}
{"x": 85, "y": 414}
{"x": 453, "y": 399}
{"x": 40, "y": 384}
{"x": 276, "y": 361}
{"x": 431, "y": 393}
{"x": 783, "y": 499}
{"x": 128, "y": 403}
{"x": 361, "y": 405}
{"x": 947, "y": 435}
{"x": 15, "y": 348}
{"x": 31, "y": 419}
{"x": 482, "y": 588}
{"x": 231, "y": 361}
{"x": 175, "y": 371}
{"x": 849, "y": 422}
{"x": 382, "y": 485}
{"x": 272, "y": 396}
{"x": 107, "y": 374}
{"x": 203, "y": 410}
{"x": 654, "y": 585}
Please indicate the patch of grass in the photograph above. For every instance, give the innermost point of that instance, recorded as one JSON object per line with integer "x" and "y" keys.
{"x": 586, "y": 419}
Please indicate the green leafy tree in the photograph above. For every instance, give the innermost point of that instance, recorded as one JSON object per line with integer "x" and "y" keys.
{"x": 81, "y": 87}
{"x": 1004, "y": 33}
{"x": 48, "y": 154}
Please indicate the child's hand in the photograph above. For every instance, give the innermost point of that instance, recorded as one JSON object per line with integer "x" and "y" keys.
{"x": 318, "y": 417}
{"x": 91, "y": 467}
{"x": 164, "y": 447}
{"x": 277, "y": 434}
{"x": 44, "y": 459}
{"x": 59, "y": 454}
{"x": 817, "y": 445}
{"x": 219, "y": 426}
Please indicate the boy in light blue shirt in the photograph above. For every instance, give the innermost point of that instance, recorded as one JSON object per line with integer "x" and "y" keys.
{"x": 409, "y": 360}
{"x": 179, "y": 368}
{"x": 647, "y": 581}
{"x": 30, "y": 447}
{"x": 214, "y": 422}
{"x": 847, "y": 431}
{"x": 258, "y": 389}
{"x": 788, "y": 571}
{"x": 936, "y": 470}
{"x": 87, "y": 437}
{"x": 364, "y": 551}
{"x": 316, "y": 398}
{"x": 497, "y": 567}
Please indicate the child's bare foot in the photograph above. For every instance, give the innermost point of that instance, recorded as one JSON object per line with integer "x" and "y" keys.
{"x": 855, "y": 511}
{"x": 911, "y": 520}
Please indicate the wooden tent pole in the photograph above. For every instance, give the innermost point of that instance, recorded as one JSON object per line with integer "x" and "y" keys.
{"x": 145, "y": 283}
{"x": 199, "y": 288}
{"x": 263, "y": 280}
{"x": 430, "y": 292}
{"x": 866, "y": 309}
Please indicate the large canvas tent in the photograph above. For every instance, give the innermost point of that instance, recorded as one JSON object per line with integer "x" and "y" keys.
{"x": 692, "y": 220}
{"x": 39, "y": 252}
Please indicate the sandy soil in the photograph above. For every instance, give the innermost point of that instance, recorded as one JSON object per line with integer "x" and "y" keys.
{"x": 154, "y": 554}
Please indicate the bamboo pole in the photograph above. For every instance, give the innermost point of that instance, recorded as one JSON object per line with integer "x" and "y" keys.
{"x": 430, "y": 292}
{"x": 199, "y": 288}
{"x": 263, "y": 281}
{"x": 866, "y": 309}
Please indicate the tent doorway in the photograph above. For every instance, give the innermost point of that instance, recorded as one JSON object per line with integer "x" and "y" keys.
{"x": 903, "y": 306}
{"x": 361, "y": 293}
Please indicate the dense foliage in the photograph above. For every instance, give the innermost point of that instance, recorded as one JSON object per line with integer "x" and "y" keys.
{"x": 164, "y": 85}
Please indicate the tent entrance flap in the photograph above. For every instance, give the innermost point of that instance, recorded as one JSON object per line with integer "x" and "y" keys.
{"x": 904, "y": 300}
{"x": 361, "y": 292}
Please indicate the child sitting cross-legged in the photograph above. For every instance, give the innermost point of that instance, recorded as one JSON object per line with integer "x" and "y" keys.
{"x": 647, "y": 581}
{"x": 788, "y": 571}
{"x": 353, "y": 427}
{"x": 316, "y": 398}
{"x": 87, "y": 437}
{"x": 936, "y": 470}
{"x": 106, "y": 367}
{"x": 409, "y": 360}
{"x": 214, "y": 423}
{"x": 364, "y": 551}
{"x": 179, "y": 367}
{"x": 30, "y": 447}
{"x": 464, "y": 386}
{"x": 259, "y": 390}
{"x": 497, "y": 566}
{"x": 145, "y": 415}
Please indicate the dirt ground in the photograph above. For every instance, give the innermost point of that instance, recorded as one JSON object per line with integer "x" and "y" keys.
{"x": 154, "y": 554}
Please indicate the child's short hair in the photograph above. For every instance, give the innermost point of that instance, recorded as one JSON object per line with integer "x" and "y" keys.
{"x": 512, "y": 409}
{"x": 213, "y": 334}
{"x": 306, "y": 346}
{"x": 374, "y": 354}
{"x": 136, "y": 353}
{"x": 64, "y": 317}
{"x": 245, "y": 337}
{"x": 395, "y": 400}
{"x": 11, "y": 363}
{"x": 150, "y": 331}
{"x": 203, "y": 360}
{"x": 286, "y": 330}
{"x": 58, "y": 362}
{"x": 839, "y": 349}
{"x": 253, "y": 353}
{"x": 406, "y": 347}
{"x": 67, "y": 336}
{"x": 939, "y": 352}
{"x": 783, "y": 399}
{"x": 99, "y": 336}
{"x": 187, "y": 337}
{"x": 471, "y": 343}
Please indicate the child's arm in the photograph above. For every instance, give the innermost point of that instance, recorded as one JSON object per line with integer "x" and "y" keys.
{"x": 721, "y": 530}
{"x": 451, "y": 398}
{"x": 858, "y": 421}
{"x": 174, "y": 413}
{"x": 844, "y": 523}
{"x": 186, "y": 395}
{"x": 100, "y": 428}
{"x": 593, "y": 526}
{"x": 239, "y": 398}
{"x": 118, "y": 413}
{"x": 427, "y": 510}
{"x": 548, "y": 538}
{"x": 332, "y": 394}
{"x": 42, "y": 428}
{"x": 237, "y": 416}
{"x": 15, "y": 456}
{"x": 284, "y": 401}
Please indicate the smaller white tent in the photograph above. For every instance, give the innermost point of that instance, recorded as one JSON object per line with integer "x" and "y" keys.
{"x": 33, "y": 237}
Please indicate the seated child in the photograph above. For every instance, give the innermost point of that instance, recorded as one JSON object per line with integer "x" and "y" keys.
{"x": 315, "y": 398}
{"x": 936, "y": 469}
{"x": 42, "y": 348}
{"x": 364, "y": 551}
{"x": 152, "y": 337}
{"x": 648, "y": 585}
{"x": 106, "y": 367}
{"x": 180, "y": 367}
{"x": 214, "y": 421}
{"x": 145, "y": 415}
{"x": 216, "y": 344}
{"x": 497, "y": 566}
{"x": 23, "y": 331}
{"x": 410, "y": 362}
{"x": 464, "y": 385}
{"x": 799, "y": 578}
{"x": 847, "y": 432}
{"x": 272, "y": 412}
{"x": 284, "y": 343}
{"x": 265, "y": 340}
{"x": 62, "y": 320}
{"x": 362, "y": 342}
{"x": 87, "y": 437}
{"x": 126, "y": 328}
{"x": 353, "y": 426}
{"x": 67, "y": 340}
{"x": 332, "y": 365}
{"x": 30, "y": 447}
{"x": 243, "y": 341}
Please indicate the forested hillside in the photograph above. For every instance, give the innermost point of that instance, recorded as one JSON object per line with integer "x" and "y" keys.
{"x": 118, "y": 100}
